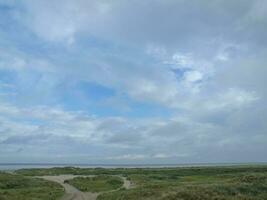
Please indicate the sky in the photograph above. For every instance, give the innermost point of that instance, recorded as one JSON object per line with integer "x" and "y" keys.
{"x": 133, "y": 82}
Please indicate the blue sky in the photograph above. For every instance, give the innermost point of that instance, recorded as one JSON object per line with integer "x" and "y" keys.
{"x": 133, "y": 82}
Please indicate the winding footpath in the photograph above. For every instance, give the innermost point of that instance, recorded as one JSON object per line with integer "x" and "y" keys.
{"x": 72, "y": 193}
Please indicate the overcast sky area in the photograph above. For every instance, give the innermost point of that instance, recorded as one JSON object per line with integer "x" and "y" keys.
{"x": 133, "y": 82}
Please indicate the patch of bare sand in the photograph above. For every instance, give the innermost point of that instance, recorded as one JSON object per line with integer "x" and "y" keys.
{"x": 126, "y": 183}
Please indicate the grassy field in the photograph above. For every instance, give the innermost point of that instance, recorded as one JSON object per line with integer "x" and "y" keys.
{"x": 18, "y": 187}
{"x": 195, "y": 187}
{"x": 99, "y": 183}
{"x": 192, "y": 183}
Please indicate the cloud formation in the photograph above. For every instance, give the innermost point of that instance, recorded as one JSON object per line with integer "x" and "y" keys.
{"x": 133, "y": 82}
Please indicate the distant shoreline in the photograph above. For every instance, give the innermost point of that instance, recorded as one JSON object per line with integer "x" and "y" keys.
{"x": 15, "y": 166}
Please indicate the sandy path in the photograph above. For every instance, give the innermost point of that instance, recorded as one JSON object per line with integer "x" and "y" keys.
{"x": 126, "y": 183}
{"x": 71, "y": 193}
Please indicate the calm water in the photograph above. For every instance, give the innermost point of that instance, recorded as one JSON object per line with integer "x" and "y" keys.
{"x": 8, "y": 166}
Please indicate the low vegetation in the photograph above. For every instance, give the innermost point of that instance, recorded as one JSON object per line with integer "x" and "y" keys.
{"x": 181, "y": 171}
{"x": 223, "y": 185}
{"x": 96, "y": 184}
{"x": 191, "y": 183}
{"x": 18, "y": 187}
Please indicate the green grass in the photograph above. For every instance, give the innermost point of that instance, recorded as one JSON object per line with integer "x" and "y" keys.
{"x": 18, "y": 187}
{"x": 96, "y": 184}
{"x": 188, "y": 183}
{"x": 221, "y": 186}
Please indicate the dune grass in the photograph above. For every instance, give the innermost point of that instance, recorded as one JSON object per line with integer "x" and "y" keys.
{"x": 188, "y": 183}
{"x": 100, "y": 183}
{"x": 18, "y": 187}
{"x": 232, "y": 186}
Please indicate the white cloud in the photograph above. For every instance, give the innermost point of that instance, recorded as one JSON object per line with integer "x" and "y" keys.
{"x": 128, "y": 157}
{"x": 181, "y": 60}
{"x": 60, "y": 21}
{"x": 11, "y": 61}
{"x": 222, "y": 57}
{"x": 45, "y": 129}
{"x": 64, "y": 21}
{"x": 193, "y": 76}
{"x": 231, "y": 99}
{"x": 209, "y": 74}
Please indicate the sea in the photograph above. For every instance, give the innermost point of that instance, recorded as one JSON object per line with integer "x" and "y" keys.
{"x": 16, "y": 166}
